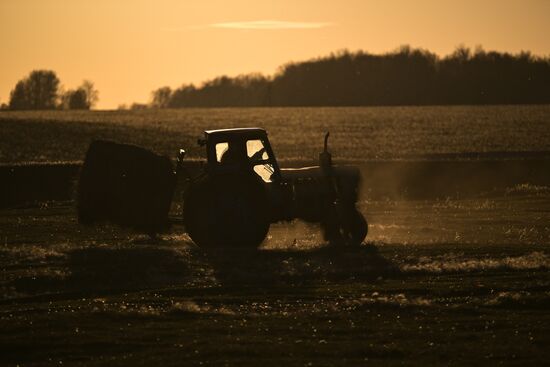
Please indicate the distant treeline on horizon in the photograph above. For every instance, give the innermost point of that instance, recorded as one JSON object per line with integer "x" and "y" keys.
{"x": 406, "y": 76}
{"x": 403, "y": 77}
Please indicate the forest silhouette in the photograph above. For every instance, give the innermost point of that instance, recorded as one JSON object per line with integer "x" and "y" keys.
{"x": 404, "y": 77}
{"x": 41, "y": 90}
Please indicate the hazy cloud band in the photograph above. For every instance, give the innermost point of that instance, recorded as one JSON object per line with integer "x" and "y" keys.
{"x": 270, "y": 24}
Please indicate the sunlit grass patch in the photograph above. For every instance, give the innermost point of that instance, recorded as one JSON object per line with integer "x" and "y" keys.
{"x": 527, "y": 188}
{"x": 456, "y": 263}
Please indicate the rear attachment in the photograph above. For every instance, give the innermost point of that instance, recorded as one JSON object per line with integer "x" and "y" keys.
{"x": 125, "y": 185}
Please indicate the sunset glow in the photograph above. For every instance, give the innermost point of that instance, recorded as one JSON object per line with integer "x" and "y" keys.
{"x": 270, "y": 25}
{"x": 128, "y": 48}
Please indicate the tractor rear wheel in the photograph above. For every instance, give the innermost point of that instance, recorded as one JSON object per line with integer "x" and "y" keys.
{"x": 229, "y": 210}
{"x": 344, "y": 226}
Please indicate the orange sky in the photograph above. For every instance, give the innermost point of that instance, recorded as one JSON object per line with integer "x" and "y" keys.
{"x": 130, "y": 47}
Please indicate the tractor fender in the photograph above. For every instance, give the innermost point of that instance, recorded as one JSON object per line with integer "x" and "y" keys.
{"x": 315, "y": 190}
{"x": 313, "y": 181}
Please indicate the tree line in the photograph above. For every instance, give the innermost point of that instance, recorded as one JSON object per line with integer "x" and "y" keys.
{"x": 41, "y": 90}
{"x": 403, "y": 77}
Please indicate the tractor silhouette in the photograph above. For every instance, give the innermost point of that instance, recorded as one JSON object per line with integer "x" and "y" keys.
{"x": 234, "y": 198}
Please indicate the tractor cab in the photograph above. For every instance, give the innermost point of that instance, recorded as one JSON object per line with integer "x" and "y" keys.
{"x": 238, "y": 150}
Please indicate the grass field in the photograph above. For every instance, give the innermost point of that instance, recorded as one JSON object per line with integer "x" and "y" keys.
{"x": 455, "y": 270}
{"x": 453, "y": 282}
{"x": 295, "y": 133}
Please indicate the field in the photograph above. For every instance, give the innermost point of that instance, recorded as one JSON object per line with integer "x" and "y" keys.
{"x": 455, "y": 270}
{"x": 361, "y": 133}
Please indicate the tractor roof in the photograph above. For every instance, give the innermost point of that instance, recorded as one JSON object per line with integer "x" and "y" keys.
{"x": 243, "y": 131}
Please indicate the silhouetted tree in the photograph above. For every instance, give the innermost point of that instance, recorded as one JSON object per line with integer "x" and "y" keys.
{"x": 138, "y": 106}
{"x": 19, "y": 97}
{"x": 92, "y": 95}
{"x": 41, "y": 90}
{"x": 78, "y": 100}
{"x": 36, "y": 92}
{"x": 161, "y": 97}
{"x": 244, "y": 90}
{"x": 82, "y": 98}
{"x": 403, "y": 77}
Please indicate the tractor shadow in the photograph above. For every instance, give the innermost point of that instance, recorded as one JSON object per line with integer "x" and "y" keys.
{"x": 272, "y": 268}
{"x": 107, "y": 269}
{"x": 160, "y": 265}
{"x": 153, "y": 264}
{"x": 127, "y": 268}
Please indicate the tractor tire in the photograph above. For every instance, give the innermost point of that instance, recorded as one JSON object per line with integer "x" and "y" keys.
{"x": 344, "y": 226}
{"x": 229, "y": 210}
{"x": 356, "y": 227}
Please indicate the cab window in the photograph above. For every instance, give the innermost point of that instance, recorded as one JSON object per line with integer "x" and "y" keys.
{"x": 255, "y": 150}
{"x": 221, "y": 148}
{"x": 265, "y": 171}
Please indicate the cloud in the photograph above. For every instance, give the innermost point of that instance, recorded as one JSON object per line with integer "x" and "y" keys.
{"x": 253, "y": 25}
{"x": 270, "y": 25}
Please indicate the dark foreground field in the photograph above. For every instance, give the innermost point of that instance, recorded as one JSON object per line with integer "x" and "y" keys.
{"x": 440, "y": 281}
{"x": 455, "y": 270}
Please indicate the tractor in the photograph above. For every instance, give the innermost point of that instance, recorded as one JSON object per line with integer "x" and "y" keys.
{"x": 233, "y": 199}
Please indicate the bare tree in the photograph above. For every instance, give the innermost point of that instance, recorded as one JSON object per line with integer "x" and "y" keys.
{"x": 92, "y": 95}
{"x": 82, "y": 98}
{"x": 161, "y": 97}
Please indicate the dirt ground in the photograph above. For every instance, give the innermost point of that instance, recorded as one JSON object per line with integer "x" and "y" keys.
{"x": 442, "y": 281}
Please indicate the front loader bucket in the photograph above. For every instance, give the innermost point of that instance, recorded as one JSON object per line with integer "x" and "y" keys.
{"x": 125, "y": 185}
